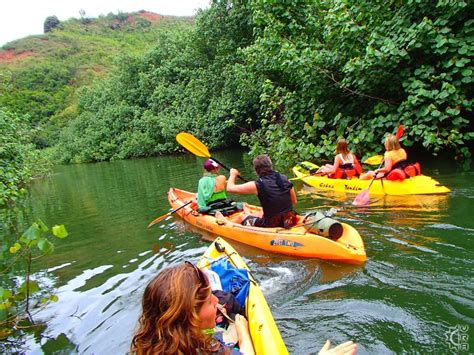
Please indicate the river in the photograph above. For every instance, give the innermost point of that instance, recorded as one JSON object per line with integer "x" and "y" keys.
{"x": 415, "y": 294}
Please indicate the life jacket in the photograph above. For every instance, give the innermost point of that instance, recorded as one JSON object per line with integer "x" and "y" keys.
{"x": 403, "y": 169}
{"x": 206, "y": 193}
{"x": 412, "y": 169}
{"x": 274, "y": 194}
{"x": 347, "y": 170}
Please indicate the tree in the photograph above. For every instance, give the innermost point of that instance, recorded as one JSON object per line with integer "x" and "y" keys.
{"x": 50, "y": 23}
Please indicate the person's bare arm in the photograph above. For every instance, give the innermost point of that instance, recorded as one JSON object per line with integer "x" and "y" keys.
{"x": 387, "y": 167}
{"x": 337, "y": 163}
{"x": 220, "y": 183}
{"x": 347, "y": 348}
{"x": 245, "y": 341}
{"x": 249, "y": 188}
{"x": 294, "y": 200}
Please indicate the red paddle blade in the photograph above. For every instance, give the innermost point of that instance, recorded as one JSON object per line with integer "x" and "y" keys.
{"x": 400, "y": 131}
{"x": 362, "y": 199}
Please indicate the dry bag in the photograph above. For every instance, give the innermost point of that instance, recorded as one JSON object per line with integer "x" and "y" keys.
{"x": 319, "y": 223}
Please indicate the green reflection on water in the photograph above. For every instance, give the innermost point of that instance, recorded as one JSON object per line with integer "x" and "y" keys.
{"x": 417, "y": 282}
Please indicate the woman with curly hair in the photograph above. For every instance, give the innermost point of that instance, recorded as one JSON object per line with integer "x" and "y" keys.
{"x": 178, "y": 307}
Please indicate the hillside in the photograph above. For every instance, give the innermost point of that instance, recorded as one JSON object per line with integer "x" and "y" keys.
{"x": 39, "y": 75}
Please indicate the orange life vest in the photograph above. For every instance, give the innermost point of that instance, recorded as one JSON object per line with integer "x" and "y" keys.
{"x": 402, "y": 169}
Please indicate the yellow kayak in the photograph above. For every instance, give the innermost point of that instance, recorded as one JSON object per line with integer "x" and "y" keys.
{"x": 417, "y": 185}
{"x": 265, "y": 335}
{"x": 296, "y": 241}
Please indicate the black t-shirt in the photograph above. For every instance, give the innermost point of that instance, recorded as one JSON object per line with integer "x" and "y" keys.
{"x": 274, "y": 194}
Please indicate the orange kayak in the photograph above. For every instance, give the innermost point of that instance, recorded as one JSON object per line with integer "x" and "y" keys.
{"x": 296, "y": 241}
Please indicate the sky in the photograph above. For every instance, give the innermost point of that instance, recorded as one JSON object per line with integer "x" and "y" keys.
{"x": 21, "y": 18}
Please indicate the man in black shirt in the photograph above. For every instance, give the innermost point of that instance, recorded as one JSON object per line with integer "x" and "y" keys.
{"x": 275, "y": 192}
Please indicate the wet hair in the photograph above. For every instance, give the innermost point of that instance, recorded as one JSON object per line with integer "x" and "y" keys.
{"x": 262, "y": 164}
{"x": 169, "y": 323}
{"x": 341, "y": 147}
{"x": 391, "y": 142}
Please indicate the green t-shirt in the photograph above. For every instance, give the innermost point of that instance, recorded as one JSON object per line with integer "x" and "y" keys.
{"x": 206, "y": 192}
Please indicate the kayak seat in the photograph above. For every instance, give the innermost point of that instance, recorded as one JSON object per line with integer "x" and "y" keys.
{"x": 226, "y": 207}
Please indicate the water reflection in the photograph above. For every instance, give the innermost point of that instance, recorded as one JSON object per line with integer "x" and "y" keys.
{"x": 426, "y": 203}
{"x": 416, "y": 283}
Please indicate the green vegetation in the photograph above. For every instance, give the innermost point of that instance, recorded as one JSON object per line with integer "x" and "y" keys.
{"x": 289, "y": 79}
{"x": 19, "y": 160}
{"x": 50, "y": 23}
{"x": 43, "y": 72}
{"x": 283, "y": 78}
{"x": 359, "y": 69}
{"x": 18, "y": 293}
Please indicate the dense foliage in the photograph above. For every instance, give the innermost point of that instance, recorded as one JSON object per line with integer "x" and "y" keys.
{"x": 288, "y": 79}
{"x": 358, "y": 69}
{"x": 42, "y": 73}
{"x": 189, "y": 81}
{"x": 19, "y": 161}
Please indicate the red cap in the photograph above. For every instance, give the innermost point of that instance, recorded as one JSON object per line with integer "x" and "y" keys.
{"x": 210, "y": 164}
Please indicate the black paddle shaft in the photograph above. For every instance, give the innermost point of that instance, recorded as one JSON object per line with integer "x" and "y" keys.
{"x": 225, "y": 167}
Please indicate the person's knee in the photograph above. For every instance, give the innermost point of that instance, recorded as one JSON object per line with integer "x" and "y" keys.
{"x": 367, "y": 176}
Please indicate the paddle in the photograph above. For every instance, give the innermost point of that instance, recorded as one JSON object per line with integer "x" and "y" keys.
{"x": 159, "y": 219}
{"x": 374, "y": 160}
{"x": 196, "y": 147}
{"x": 364, "y": 197}
{"x": 305, "y": 175}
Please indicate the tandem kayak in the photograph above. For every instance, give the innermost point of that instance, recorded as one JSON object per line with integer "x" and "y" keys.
{"x": 417, "y": 185}
{"x": 266, "y": 337}
{"x": 296, "y": 241}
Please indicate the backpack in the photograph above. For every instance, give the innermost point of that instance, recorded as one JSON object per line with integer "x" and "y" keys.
{"x": 231, "y": 306}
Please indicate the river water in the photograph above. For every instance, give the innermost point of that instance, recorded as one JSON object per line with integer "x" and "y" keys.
{"x": 414, "y": 294}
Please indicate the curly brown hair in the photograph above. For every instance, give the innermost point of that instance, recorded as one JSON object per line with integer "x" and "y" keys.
{"x": 169, "y": 323}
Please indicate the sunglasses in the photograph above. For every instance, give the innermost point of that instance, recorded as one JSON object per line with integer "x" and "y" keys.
{"x": 199, "y": 274}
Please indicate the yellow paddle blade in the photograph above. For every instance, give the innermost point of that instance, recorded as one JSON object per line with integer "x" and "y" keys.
{"x": 375, "y": 160}
{"x": 193, "y": 144}
{"x": 298, "y": 178}
{"x": 159, "y": 219}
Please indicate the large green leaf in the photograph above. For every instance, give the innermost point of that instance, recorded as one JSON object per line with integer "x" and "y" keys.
{"x": 45, "y": 245}
{"x": 60, "y": 231}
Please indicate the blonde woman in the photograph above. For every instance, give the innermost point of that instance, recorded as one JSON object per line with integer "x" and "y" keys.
{"x": 393, "y": 157}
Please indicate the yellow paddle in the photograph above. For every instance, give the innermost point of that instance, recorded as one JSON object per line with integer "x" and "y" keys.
{"x": 159, "y": 219}
{"x": 374, "y": 160}
{"x": 306, "y": 175}
{"x": 196, "y": 147}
